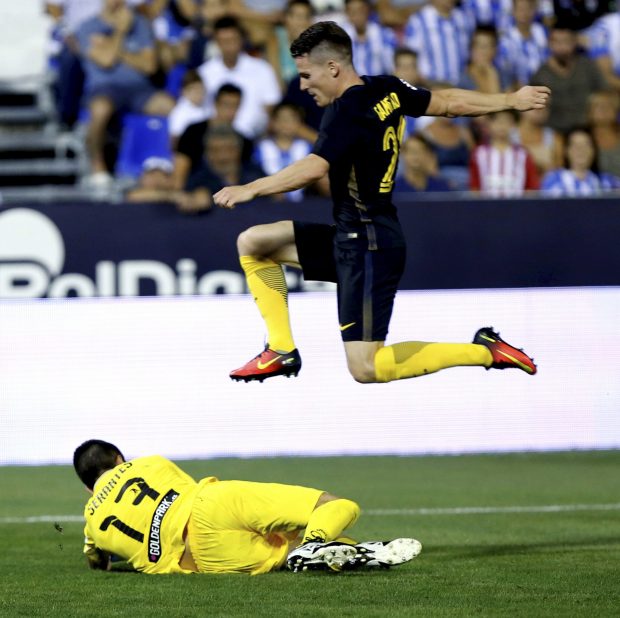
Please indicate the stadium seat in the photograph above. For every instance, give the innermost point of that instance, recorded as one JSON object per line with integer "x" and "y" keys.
{"x": 142, "y": 137}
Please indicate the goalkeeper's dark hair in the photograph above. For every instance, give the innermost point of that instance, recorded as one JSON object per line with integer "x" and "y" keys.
{"x": 94, "y": 457}
{"x": 326, "y": 38}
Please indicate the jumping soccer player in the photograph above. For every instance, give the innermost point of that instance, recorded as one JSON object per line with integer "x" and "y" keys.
{"x": 150, "y": 513}
{"x": 358, "y": 145}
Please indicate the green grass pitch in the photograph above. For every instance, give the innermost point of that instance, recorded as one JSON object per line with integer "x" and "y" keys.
{"x": 533, "y": 562}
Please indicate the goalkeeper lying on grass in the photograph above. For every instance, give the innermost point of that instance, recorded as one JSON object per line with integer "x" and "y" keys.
{"x": 150, "y": 513}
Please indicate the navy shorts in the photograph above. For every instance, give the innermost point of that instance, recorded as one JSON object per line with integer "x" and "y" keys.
{"x": 367, "y": 280}
{"x": 125, "y": 98}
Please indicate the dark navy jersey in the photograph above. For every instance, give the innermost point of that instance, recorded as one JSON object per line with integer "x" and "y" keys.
{"x": 360, "y": 137}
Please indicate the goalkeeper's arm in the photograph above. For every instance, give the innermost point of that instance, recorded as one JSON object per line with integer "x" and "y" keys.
{"x": 97, "y": 558}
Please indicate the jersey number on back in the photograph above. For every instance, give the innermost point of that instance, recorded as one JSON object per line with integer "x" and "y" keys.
{"x": 145, "y": 492}
{"x": 392, "y": 141}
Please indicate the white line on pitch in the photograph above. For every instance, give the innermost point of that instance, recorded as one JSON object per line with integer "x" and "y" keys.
{"x": 481, "y": 510}
{"x": 459, "y": 510}
{"x": 37, "y": 519}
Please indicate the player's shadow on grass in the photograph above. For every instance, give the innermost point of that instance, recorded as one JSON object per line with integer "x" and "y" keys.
{"x": 449, "y": 552}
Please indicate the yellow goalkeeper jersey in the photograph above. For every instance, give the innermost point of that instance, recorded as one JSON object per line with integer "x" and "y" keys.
{"x": 138, "y": 511}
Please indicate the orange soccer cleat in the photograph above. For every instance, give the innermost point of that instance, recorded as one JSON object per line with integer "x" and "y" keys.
{"x": 269, "y": 364}
{"x": 505, "y": 356}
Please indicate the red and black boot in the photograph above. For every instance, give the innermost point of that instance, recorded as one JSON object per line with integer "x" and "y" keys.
{"x": 269, "y": 364}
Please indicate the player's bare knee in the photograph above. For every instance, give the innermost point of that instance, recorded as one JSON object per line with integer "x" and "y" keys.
{"x": 249, "y": 242}
{"x": 363, "y": 372}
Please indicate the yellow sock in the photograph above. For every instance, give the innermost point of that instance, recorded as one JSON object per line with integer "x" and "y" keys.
{"x": 417, "y": 358}
{"x": 330, "y": 519}
{"x": 268, "y": 286}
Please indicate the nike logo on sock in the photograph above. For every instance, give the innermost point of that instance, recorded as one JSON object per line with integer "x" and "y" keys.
{"x": 347, "y": 326}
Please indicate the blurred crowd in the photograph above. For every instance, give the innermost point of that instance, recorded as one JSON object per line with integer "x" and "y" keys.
{"x": 186, "y": 96}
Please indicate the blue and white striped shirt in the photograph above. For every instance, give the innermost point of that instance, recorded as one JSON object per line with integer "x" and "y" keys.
{"x": 442, "y": 43}
{"x": 272, "y": 159}
{"x": 564, "y": 182}
{"x": 496, "y": 13}
{"x": 605, "y": 37}
{"x": 520, "y": 58}
{"x": 374, "y": 55}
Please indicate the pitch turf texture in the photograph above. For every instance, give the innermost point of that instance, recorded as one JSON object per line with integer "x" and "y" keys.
{"x": 532, "y": 562}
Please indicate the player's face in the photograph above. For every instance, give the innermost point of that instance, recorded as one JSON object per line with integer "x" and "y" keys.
{"x": 317, "y": 79}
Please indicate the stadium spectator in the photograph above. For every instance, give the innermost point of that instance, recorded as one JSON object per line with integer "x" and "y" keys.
{"x": 171, "y": 23}
{"x": 254, "y": 76}
{"x": 544, "y": 144}
{"x": 522, "y": 46}
{"x": 481, "y": 73}
{"x": 283, "y": 146}
{"x": 419, "y": 172}
{"x": 312, "y": 112}
{"x": 406, "y": 68}
{"x": 579, "y": 15}
{"x": 118, "y": 54}
{"x": 69, "y": 80}
{"x": 440, "y": 34}
{"x": 396, "y": 13}
{"x": 190, "y": 108}
{"x": 501, "y": 168}
{"x": 373, "y": 45}
{"x": 452, "y": 143}
{"x": 223, "y": 162}
{"x": 169, "y": 523}
{"x": 580, "y": 175}
{"x": 329, "y": 9}
{"x": 156, "y": 185}
{"x": 257, "y": 18}
{"x": 203, "y": 46}
{"x": 572, "y": 77}
{"x": 604, "y": 117}
{"x": 496, "y": 14}
{"x": 297, "y": 17}
{"x": 605, "y": 48}
{"x": 190, "y": 149}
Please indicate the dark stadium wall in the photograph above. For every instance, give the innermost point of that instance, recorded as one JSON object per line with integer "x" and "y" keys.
{"x": 99, "y": 249}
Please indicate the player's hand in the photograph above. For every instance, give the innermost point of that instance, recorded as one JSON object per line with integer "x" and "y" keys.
{"x": 229, "y": 197}
{"x": 531, "y": 97}
{"x": 98, "y": 559}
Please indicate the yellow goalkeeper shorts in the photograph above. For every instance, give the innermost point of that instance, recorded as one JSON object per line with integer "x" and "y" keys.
{"x": 246, "y": 527}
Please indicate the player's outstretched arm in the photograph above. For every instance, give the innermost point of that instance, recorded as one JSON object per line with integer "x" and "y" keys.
{"x": 295, "y": 176}
{"x": 457, "y": 102}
